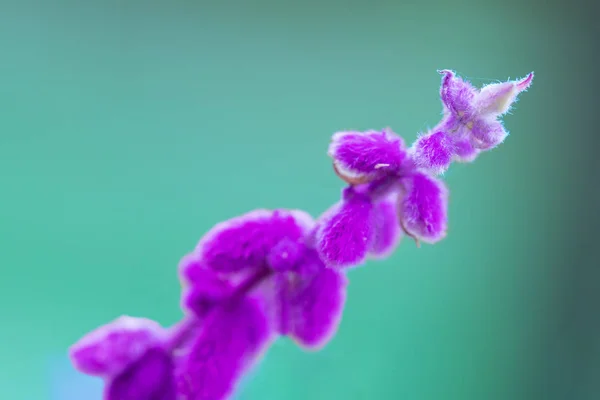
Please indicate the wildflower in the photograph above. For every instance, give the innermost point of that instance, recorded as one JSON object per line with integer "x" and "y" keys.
{"x": 471, "y": 121}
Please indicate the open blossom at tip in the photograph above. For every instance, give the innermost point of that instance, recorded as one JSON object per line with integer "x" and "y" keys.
{"x": 472, "y": 115}
{"x": 423, "y": 209}
{"x": 345, "y": 231}
{"x": 229, "y": 342}
{"x": 108, "y": 350}
{"x": 360, "y": 157}
{"x": 245, "y": 242}
{"x": 386, "y": 228}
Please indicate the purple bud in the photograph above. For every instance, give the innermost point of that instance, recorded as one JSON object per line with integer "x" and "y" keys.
{"x": 471, "y": 118}
{"x": 360, "y": 157}
{"x": 387, "y": 231}
{"x": 433, "y": 152}
{"x": 424, "y": 208}
{"x": 345, "y": 233}
{"x": 244, "y": 242}
{"x": 316, "y": 306}
{"x": 230, "y": 341}
{"x": 108, "y": 350}
{"x": 149, "y": 378}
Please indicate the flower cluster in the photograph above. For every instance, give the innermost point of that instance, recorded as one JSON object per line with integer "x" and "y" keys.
{"x": 273, "y": 273}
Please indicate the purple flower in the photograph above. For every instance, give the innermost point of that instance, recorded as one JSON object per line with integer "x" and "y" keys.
{"x": 471, "y": 121}
{"x": 268, "y": 274}
{"x": 286, "y": 268}
{"x": 274, "y": 284}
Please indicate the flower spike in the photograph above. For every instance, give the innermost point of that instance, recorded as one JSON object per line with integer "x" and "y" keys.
{"x": 270, "y": 274}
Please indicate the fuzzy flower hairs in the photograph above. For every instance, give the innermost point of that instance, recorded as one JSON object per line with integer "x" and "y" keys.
{"x": 268, "y": 274}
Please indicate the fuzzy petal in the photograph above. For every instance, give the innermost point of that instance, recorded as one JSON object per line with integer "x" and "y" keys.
{"x": 229, "y": 342}
{"x": 244, "y": 242}
{"x": 149, "y": 378}
{"x": 110, "y": 349}
{"x": 387, "y": 231}
{"x": 457, "y": 95}
{"x": 360, "y": 157}
{"x": 345, "y": 232}
{"x": 316, "y": 306}
{"x": 424, "y": 208}
{"x": 433, "y": 152}
{"x": 488, "y": 134}
{"x": 464, "y": 151}
{"x": 496, "y": 99}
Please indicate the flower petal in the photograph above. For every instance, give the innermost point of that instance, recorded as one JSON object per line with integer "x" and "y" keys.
{"x": 316, "y": 305}
{"x": 149, "y": 378}
{"x": 433, "y": 152}
{"x": 244, "y": 242}
{"x": 497, "y": 98}
{"x": 487, "y": 134}
{"x": 464, "y": 151}
{"x": 424, "y": 208}
{"x": 360, "y": 157}
{"x": 110, "y": 349}
{"x": 230, "y": 340}
{"x": 386, "y": 229}
{"x": 345, "y": 231}
{"x": 457, "y": 95}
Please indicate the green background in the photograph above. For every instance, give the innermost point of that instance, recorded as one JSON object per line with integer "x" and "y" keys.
{"x": 129, "y": 128}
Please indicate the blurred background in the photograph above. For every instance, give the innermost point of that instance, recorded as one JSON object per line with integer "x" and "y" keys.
{"x": 128, "y": 129}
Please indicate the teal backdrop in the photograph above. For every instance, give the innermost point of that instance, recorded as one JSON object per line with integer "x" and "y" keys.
{"x": 129, "y": 128}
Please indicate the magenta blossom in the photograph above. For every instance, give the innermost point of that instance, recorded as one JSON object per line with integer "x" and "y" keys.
{"x": 279, "y": 273}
